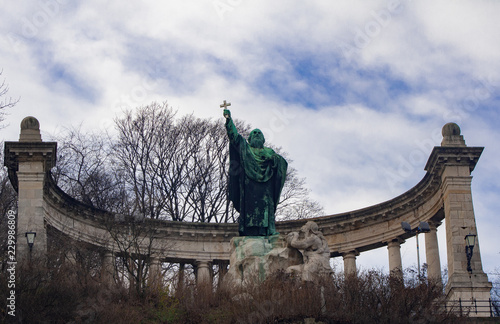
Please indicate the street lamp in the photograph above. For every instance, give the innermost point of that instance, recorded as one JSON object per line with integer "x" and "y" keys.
{"x": 423, "y": 227}
{"x": 470, "y": 241}
{"x": 30, "y": 237}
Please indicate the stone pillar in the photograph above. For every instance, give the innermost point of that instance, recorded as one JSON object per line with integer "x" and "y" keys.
{"x": 395, "y": 264}
{"x": 455, "y": 161}
{"x": 350, "y": 262}
{"x": 460, "y": 221}
{"x": 180, "y": 284}
{"x": 28, "y": 162}
{"x": 432, "y": 253}
{"x": 155, "y": 276}
{"x": 30, "y": 216}
{"x": 108, "y": 267}
{"x": 203, "y": 272}
{"x": 70, "y": 257}
{"x": 223, "y": 267}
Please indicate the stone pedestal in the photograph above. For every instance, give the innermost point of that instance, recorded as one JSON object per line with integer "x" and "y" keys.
{"x": 254, "y": 258}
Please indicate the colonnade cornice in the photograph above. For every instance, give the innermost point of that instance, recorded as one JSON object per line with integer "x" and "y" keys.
{"x": 222, "y": 233}
{"x": 337, "y": 223}
{"x": 15, "y": 152}
{"x": 421, "y": 203}
{"x": 442, "y": 156}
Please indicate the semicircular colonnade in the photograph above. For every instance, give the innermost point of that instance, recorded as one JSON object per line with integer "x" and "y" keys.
{"x": 443, "y": 193}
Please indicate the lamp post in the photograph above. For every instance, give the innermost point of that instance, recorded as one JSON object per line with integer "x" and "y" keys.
{"x": 423, "y": 227}
{"x": 470, "y": 241}
{"x": 30, "y": 238}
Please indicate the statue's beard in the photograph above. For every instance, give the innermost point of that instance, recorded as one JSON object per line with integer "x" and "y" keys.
{"x": 257, "y": 142}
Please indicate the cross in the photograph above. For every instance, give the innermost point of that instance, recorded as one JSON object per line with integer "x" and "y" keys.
{"x": 225, "y": 104}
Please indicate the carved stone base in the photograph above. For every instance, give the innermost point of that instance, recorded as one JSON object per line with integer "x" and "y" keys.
{"x": 254, "y": 258}
{"x": 469, "y": 293}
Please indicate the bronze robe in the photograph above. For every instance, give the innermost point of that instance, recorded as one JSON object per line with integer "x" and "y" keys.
{"x": 256, "y": 178}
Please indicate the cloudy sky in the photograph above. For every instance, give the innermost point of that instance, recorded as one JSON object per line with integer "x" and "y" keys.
{"x": 355, "y": 91}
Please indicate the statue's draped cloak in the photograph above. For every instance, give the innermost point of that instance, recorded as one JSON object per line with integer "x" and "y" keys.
{"x": 256, "y": 177}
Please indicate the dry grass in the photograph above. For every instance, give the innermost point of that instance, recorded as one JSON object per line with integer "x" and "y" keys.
{"x": 64, "y": 294}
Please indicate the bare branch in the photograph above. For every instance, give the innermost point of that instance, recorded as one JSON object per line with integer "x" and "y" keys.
{"x": 5, "y": 102}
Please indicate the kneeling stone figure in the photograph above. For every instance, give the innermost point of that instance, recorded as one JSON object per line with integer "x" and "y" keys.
{"x": 315, "y": 251}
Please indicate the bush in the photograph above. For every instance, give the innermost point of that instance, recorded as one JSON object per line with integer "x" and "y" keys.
{"x": 61, "y": 293}
{"x": 370, "y": 297}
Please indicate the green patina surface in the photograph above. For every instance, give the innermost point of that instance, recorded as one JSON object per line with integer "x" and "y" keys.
{"x": 257, "y": 247}
{"x": 262, "y": 246}
{"x": 262, "y": 272}
{"x": 256, "y": 177}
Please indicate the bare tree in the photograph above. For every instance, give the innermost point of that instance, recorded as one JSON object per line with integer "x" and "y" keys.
{"x": 295, "y": 202}
{"x": 5, "y": 102}
{"x": 162, "y": 167}
{"x": 195, "y": 184}
{"x": 85, "y": 171}
{"x": 134, "y": 238}
{"x": 137, "y": 155}
{"x": 8, "y": 201}
{"x": 209, "y": 175}
{"x": 175, "y": 170}
{"x": 8, "y": 196}
{"x": 494, "y": 276}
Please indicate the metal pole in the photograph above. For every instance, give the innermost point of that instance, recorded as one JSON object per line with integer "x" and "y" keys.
{"x": 418, "y": 256}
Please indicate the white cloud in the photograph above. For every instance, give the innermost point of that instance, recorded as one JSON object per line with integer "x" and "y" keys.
{"x": 359, "y": 128}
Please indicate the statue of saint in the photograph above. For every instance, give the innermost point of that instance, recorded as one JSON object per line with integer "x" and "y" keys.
{"x": 256, "y": 177}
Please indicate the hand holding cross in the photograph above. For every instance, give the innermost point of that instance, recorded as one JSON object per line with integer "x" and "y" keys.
{"x": 227, "y": 113}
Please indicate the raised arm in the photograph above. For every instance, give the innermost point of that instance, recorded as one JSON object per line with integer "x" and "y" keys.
{"x": 232, "y": 132}
{"x": 305, "y": 243}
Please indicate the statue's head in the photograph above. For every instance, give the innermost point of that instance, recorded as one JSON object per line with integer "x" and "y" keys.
{"x": 310, "y": 227}
{"x": 256, "y": 138}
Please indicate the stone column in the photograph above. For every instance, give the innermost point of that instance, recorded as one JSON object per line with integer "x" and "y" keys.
{"x": 432, "y": 252}
{"x": 108, "y": 267}
{"x": 223, "y": 268}
{"x": 350, "y": 262}
{"x": 28, "y": 161}
{"x": 454, "y": 161}
{"x": 155, "y": 276}
{"x": 460, "y": 221}
{"x": 70, "y": 257}
{"x": 203, "y": 272}
{"x": 394, "y": 250}
{"x": 132, "y": 272}
{"x": 30, "y": 216}
{"x": 180, "y": 284}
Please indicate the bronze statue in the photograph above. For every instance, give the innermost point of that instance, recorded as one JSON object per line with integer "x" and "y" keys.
{"x": 256, "y": 177}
